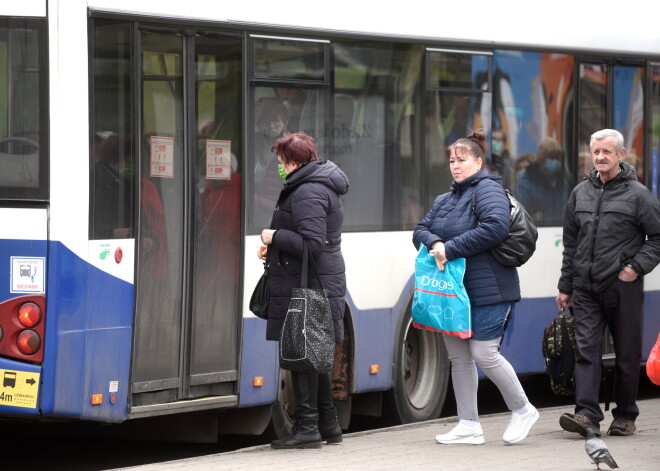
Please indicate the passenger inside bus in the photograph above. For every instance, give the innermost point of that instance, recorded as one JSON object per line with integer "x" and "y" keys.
{"x": 113, "y": 189}
{"x": 543, "y": 187}
{"x": 113, "y": 203}
{"x": 220, "y": 232}
{"x": 500, "y": 158}
{"x": 271, "y": 117}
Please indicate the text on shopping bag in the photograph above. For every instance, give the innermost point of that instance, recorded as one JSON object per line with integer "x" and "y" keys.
{"x": 440, "y": 302}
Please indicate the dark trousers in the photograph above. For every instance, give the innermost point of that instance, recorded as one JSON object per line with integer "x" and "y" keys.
{"x": 620, "y": 307}
{"x": 325, "y": 392}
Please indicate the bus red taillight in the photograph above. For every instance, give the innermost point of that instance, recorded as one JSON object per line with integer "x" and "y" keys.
{"x": 29, "y": 314}
{"x": 28, "y": 342}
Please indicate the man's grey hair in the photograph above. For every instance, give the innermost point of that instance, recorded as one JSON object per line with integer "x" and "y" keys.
{"x": 604, "y": 133}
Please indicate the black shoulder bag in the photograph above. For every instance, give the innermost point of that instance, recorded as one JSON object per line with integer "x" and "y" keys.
{"x": 519, "y": 246}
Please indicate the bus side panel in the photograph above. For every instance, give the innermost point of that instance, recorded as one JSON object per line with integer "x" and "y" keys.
{"x": 88, "y": 339}
{"x": 651, "y": 327}
{"x": 260, "y": 358}
{"x": 521, "y": 345}
{"x": 107, "y": 366}
{"x": 372, "y": 329}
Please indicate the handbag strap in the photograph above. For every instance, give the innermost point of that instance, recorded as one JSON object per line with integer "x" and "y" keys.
{"x": 308, "y": 258}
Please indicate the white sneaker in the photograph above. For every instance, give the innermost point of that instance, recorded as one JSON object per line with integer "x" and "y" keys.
{"x": 462, "y": 434}
{"x": 520, "y": 425}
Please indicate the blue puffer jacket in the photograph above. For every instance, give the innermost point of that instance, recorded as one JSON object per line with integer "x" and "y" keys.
{"x": 308, "y": 207}
{"x": 469, "y": 235}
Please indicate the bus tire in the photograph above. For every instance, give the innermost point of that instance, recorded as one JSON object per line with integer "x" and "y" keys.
{"x": 284, "y": 409}
{"x": 421, "y": 375}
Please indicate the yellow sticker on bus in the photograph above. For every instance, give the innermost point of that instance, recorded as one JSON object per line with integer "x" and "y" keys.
{"x": 19, "y": 388}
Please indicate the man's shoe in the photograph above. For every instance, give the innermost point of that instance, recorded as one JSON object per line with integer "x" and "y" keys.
{"x": 578, "y": 423}
{"x": 520, "y": 424}
{"x": 622, "y": 427}
{"x": 462, "y": 434}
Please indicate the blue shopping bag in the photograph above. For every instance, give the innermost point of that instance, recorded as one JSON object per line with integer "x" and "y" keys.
{"x": 440, "y": 302}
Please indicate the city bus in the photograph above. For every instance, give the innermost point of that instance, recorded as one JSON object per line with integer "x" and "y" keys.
{"x": 136, "y": 176}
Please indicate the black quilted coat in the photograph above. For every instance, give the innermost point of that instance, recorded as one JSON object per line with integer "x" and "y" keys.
{"x": 309, "y": 207}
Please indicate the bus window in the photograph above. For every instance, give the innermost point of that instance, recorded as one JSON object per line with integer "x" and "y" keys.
{"x": 592, "y": 110}
{"x": 23, "y": 110}
{"x": 655, "y": 126}
{"x": 297, "y": 104}
{"x": 624, "y": 111}
{"x": 111, "y": 159}
{"x": 629, "y": 114}
{"x": 276, "y": 112}
{"x": 376, "y": 102}
{"x": 532, "y": 118}
{"x": 458, "y": 101}
{"x": 289, "y": 58}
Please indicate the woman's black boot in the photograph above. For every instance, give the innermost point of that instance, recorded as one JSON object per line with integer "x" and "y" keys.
{"x": 328, "y": 425}
{"x": 306, "y": 429}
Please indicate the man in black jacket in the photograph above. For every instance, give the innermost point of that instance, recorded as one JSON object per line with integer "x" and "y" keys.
{"x": 611, "y": 239}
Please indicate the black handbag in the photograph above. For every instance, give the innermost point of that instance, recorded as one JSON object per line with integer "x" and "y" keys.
{"x": 520, "y": 245}
{"x": 307, "y": 343}
{"x": 260, "y": 296}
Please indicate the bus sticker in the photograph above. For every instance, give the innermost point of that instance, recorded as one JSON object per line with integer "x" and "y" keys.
{"x": 162, "y": 157}
{"x": 19, "y": 388}
{"x": 218, "y": 160}
{"x": 27, "y": 275}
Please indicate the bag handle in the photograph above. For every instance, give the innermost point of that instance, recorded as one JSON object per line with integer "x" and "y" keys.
{"x": 308, "y": 258}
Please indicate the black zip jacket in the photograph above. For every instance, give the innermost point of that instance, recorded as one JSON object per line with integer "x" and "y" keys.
{"x": 309, "y": 208}
{"x": 606, "y": 227}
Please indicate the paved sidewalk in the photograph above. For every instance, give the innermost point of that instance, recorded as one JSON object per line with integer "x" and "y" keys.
{"x": 412, "y": 447}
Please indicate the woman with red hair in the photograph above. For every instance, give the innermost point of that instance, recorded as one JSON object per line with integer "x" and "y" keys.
{"x": 309, "y": 209}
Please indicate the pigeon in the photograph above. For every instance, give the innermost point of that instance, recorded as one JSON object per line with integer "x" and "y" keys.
{"x": 597, "y": 451}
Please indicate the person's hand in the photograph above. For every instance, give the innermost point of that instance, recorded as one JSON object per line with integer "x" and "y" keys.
{"x": 628, "y": 274}
{"x": 564, "y": 301}
{"x": 267, "y": 236}
{"x": 261, "y": 252}
{"x": 438, "y": 251}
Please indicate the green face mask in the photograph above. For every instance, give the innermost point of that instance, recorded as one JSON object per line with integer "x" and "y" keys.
{"x": 280, "y": 170}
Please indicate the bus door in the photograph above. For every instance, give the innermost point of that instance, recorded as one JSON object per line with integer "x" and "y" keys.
{"x": 187, "y": 320}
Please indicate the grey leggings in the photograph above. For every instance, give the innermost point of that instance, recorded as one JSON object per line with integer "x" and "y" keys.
{"x": 486, "y": 353}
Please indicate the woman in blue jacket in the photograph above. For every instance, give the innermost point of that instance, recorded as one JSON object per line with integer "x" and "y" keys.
{"x": 454, "y": 229}
{"x": 309, "y": 208}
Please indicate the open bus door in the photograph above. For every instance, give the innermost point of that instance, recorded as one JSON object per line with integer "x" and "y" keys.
{"x": 187, "y": 317}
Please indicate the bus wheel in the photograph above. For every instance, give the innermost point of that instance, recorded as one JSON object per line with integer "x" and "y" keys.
{"x": 283, "y": 411}
{"x": 421, "y": 375}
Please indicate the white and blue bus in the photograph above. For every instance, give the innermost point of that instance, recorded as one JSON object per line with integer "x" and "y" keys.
{"x": 136, "y": 176}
